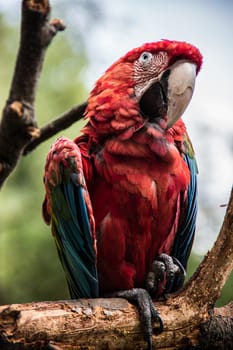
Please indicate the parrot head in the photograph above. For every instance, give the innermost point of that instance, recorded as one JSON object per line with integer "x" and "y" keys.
{"x": 150, "y": 84}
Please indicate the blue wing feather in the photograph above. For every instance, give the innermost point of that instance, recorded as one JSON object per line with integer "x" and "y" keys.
{"x": 184, "y": 238}
{"x": 73, "y": 236}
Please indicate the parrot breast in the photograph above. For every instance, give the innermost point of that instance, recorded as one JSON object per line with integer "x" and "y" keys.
{"x": 135, "y": 140}
{"x": 136, "y": 205}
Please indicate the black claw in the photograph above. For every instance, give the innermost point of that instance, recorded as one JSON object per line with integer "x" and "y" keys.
{"x": 146, "y": 308}
{"x": 149, "y": 343}
{"x": 171, "y": 271}
{"x": 170, "y": 267}
{"x": 155, "y": 276}
{"x": 156, "y": 318}
{"x": 175, "y": 273}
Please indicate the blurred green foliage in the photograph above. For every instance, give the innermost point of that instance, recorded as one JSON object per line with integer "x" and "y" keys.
{"x": 29, "y": 266}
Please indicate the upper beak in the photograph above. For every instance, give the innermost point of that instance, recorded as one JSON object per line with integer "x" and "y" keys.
{"x": 180, "y": 84}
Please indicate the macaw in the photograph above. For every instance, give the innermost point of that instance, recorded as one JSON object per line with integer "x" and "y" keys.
{"x": 122, "y": 197}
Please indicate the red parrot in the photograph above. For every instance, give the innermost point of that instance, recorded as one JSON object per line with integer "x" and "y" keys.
{"x": 121, "y": 198}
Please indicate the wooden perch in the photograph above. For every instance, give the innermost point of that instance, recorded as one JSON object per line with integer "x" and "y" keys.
{"x": 190, "y": 319}
{"x": 107, "y": 324}
{"x": 18, "y": 125}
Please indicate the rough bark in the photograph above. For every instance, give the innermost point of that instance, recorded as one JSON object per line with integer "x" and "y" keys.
{"x": 61, "y": 123}
{"x": 108, "y": 324}
{"x": 18, "y": 125}
{"x": 190, "y": 320}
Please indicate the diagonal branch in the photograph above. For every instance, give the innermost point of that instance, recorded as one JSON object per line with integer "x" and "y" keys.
{"x": 205, "y": 287}
{"x": 61, "y": 123}
{"x": 18, "y": 125}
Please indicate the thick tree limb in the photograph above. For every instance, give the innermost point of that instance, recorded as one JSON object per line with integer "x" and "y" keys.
{"x": 61, "y": 123}
{"x": 190, "y": 321}
{"x": 107, "y": 324}
{"x": 215, "y": 268}
{"x": 18, "y": 125}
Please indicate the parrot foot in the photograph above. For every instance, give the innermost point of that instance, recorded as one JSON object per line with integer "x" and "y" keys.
{"x": 165, "y": 268}
{"x": 146, "y": 308}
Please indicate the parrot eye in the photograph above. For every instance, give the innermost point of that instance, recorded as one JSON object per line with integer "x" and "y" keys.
{"x": 145, "y": 58}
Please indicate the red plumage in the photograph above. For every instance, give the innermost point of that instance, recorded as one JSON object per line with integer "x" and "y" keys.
{"x": 134, "y": 167}
{"x": 139, "y": 179}
{"x": 135, "y": 190}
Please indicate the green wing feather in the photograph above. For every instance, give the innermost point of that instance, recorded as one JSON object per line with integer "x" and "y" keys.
{"x": 70, "y": 216}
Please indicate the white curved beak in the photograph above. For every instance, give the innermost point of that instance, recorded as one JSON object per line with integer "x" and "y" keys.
{"x": 180, "y": 89}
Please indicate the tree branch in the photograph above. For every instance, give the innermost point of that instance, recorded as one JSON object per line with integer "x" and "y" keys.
{"x": 190, "y": 321}
{"x": 18, "y": 125}
{"x": 61, "y": 123}
{"x": 205, "y": 287}
{"x": 106, "y": 324}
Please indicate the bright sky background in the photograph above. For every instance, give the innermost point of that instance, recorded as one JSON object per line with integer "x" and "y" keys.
{"x": 209, "y": 118}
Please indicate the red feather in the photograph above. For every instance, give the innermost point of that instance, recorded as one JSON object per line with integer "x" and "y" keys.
{"x": 135, "y": 193}
{"x": 135, "y": 171}
{"x": 139, "y": 174}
